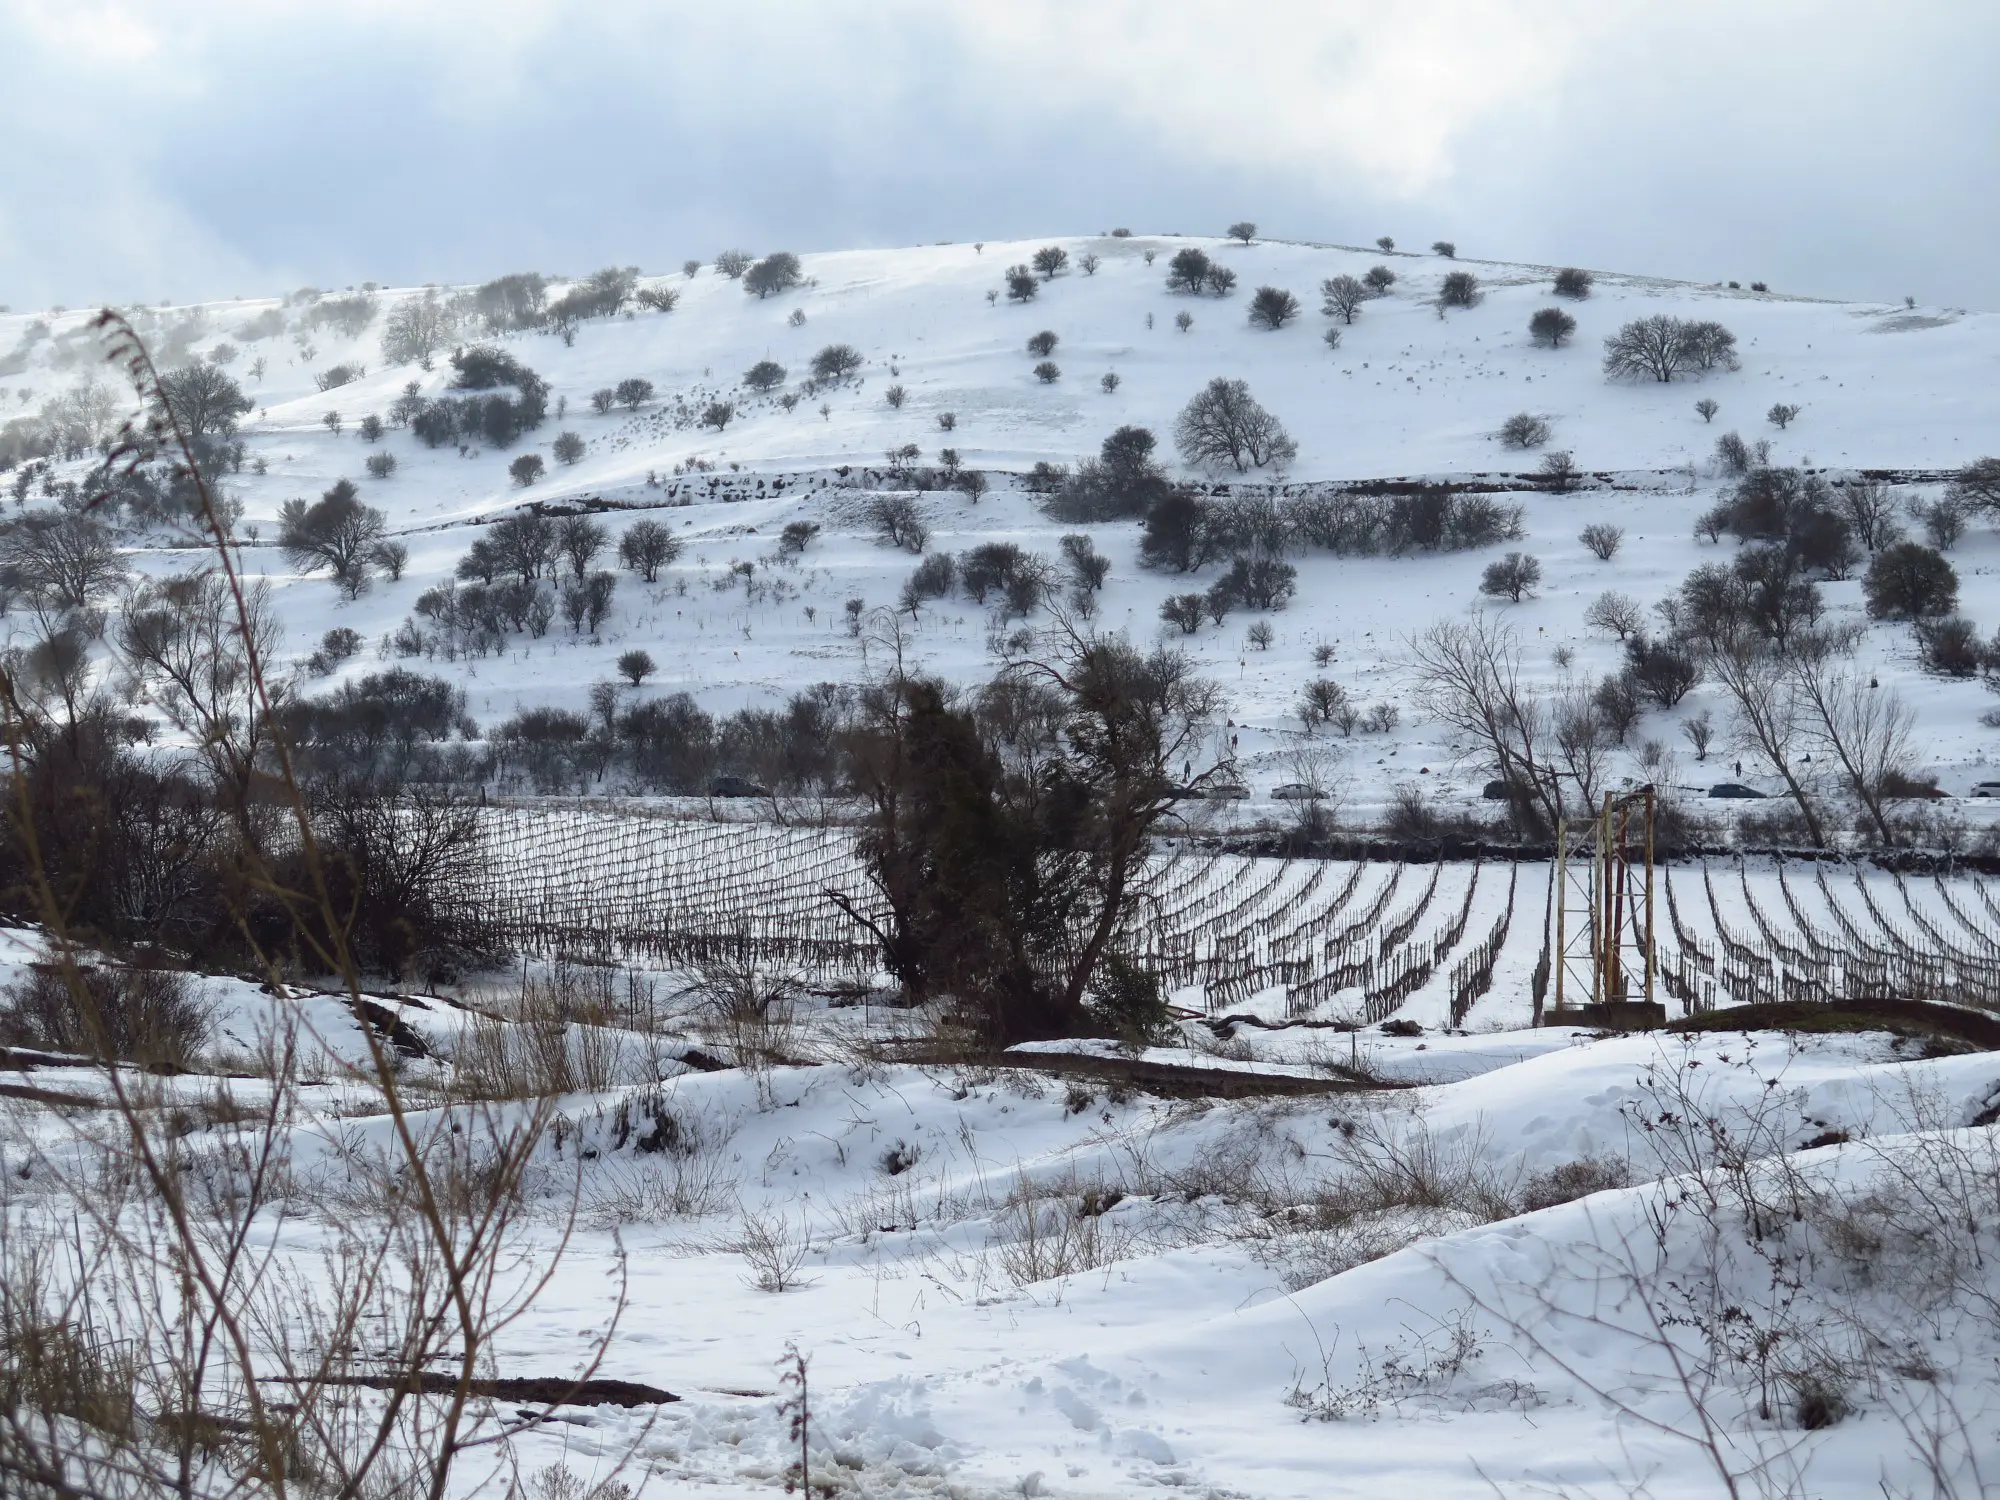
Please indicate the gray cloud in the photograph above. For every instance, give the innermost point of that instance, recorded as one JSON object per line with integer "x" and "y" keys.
{"x": 1834, "y": 147}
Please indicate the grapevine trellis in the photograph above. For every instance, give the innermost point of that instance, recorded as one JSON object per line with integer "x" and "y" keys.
{"x": 1448, "y": 943}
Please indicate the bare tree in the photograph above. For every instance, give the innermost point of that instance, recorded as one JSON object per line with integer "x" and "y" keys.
{"x": 1866, "y": 728}
{"x": 336, "y": 532}
{"x": 1224, "y": 424}
{"x": 778, "y": 272}
{"x": 1942, "y": 519}
{"x": 417, "y": 328}
{"x": 898, "y": 522}
{"x": 579, "y": 539}
{"x": 1525, "y": 430}
{"x": 1467, "y": 674}
{"x": 1602, "y": 540}
{"x": 1581, "y": 743}
{"x": 1870, "y": 509}
{"x": 60, "y": 560}
{"x": 1512, "y": 577}
{"x": 1551, "y": 325}
{"x": 1243, "y": 230}
{"x": 1769, "y": 719}
{"x": 1341, "y": 297}
{"x": 1188, "y": 270}
{"x": 647, "y": 547}
{"x": 1710, "y": 345}
{"x": 1272, "y": 307}
{"x": 204, "y": 401}
{"x": 1699, "y": 731}
{"x": 1653, "y": 347}
{"x": 836, "y": 362}
{"x": 1050, "y": 261}
{"x": 1615, "y": 614}
{"x": 1978, "y": 484}
{"x": 1458, "y": 289}
{"x": 179, "y": 636}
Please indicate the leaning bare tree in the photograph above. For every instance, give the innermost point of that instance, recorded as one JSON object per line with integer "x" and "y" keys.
{"x": 1769, "y": 718}
{"x": 1864, "y": 727}
{"x": 1468, "y": 675}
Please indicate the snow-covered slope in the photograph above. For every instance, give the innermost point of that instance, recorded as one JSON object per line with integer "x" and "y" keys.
{"x": 1406, "y": 392}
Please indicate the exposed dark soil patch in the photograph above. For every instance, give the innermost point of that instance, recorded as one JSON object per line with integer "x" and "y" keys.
{"x": 34, "y": 1095}
{"x": 535, "y": 1390}
{"x": 386, "y": 1024}
{"x": 1180, "y": 1080}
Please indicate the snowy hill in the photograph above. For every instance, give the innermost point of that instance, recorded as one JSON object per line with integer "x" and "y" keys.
{"x": 1408, "y": 391}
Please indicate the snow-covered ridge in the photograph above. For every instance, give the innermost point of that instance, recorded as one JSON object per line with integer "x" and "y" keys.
{"x": 1406, "y": 394}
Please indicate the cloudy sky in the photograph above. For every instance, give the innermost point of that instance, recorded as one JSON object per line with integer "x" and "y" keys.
{"x": 189, "y": 148}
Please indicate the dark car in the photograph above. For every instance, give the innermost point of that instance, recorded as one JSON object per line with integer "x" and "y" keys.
{"x": 1734, "y": 789}
{"x": 735, "y": 786}
{"x": 1497, "y": 791}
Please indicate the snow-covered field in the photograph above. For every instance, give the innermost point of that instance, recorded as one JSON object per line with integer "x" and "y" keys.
{"x": 1539, "y": 1266}
{"x": 1406, "y": 393}
{"x": 1457, "y": 1257}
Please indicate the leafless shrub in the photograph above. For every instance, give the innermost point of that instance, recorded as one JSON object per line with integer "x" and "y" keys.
{"x": 1394, "y": 1182}
{"x": 1050, "y": 1231}
{"x": 1602, "y": 540}
{"x": 1424, "y": 1368}
{"x": 675, "y": 1185}
{"x": 748, "y": 1004}
{"x": 163, "y": 1242}
{"x": 147, "y": 1016}
{"x": 1573, "y": 1180}
{"x": 774, "y": 1251}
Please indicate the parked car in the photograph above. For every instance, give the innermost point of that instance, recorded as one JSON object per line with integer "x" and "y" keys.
{"x": 1987, "y": 789}
{"x": 1227, "y": 791}
{"x": 1734, "y": 789}
{"x": 1296, "y": 791}
{"x": 1495, "y": 791}
{"x": 735, "y": 786}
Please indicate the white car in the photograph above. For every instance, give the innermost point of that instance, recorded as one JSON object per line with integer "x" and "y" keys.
{"x": 1987, "y": 789}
